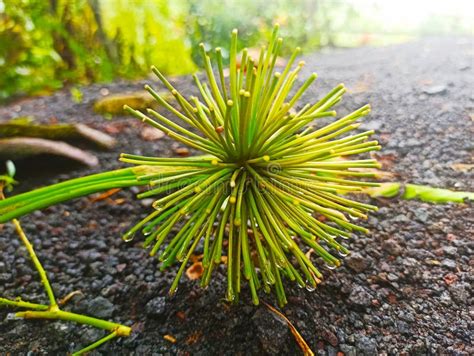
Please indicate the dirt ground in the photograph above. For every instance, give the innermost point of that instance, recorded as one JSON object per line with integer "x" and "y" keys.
{"x": 405, "y": 289}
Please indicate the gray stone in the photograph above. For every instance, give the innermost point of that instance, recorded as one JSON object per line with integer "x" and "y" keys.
{"x": 450, "y": 251}
{"x": 348, "y": 350}
{"x": 5, "y": 277}
{"x": 422, "y": 215}
{"x": 360, "y": 297}
{"x": 392, "y": 247}
{"x": 330, "y": 337}
{"x": 357, "y": 262}
{"x": 460, "y": 292}
{"x": 366, "y": 346}
{"x": 156, "y": 306}
{"x": 435, "y": 89}
{"x": 272, "y": 331}
{"x": 101, "y": 308}
{"x": 448, "y": 263}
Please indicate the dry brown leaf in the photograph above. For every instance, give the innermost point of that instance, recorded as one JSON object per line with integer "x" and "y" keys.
{"x": 170, "y": 338}
{"x": 299, "y": 339}
{"x": 194, "y": 337}
{"x": 68, "y": 297}
{"x": 195, "y": 271}
{"x": 462, "y": 167}
{"x": 387, "y": 160}
{"x": 196, "y": 258}
{"x": 182, "y": 151}
{"x": 105, "y": 195}
{"x": 450, "y": 278}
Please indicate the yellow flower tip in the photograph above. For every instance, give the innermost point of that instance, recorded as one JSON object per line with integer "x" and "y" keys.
{"x": 314, "y": 75}
{"x": 266, "y": 158}
{"x": 277, "y": 74}
{"x": 235, "y": 32}
{"x": 174, "y": 92}
{"x": 195, "y": 110}
{"x": 218, "y": 49}
{"x": 296, "y": 202}
{"x": 183, "y": 211}
{"x": 280, "y": 40}
{"x": 147, "y": 87}
{"x": 241, "y": 92}
{"x": 201, "y": 45}
{"x": 333, "y": 113}
{"x": 301, "y": 63}
{"x": 197, "y": 190}
{"x": 337, "y": 263}
{"x": 214, "y": 162}
{"x": 232, "y": 200}
{"x": 152, "y": 253}
{"x": 123, "y": 330}
{"x": 232, "y": 183}
{"x": 298, "y": 49}
{"x": 237, "y": 222}
{"x": 276, "y": 26}
{"x": 230, "y": 103}
{"x": 247, "y": 94}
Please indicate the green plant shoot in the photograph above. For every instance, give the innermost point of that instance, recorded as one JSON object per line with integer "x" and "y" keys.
{"x": 264, "y": 193}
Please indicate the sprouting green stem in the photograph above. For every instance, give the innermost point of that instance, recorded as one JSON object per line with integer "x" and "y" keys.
{"x": 96, "y": 344}
{"x": 52, "y": 311}
{"x": 32, "y": 195}
{"x": 121, "y": 330}
{"x": 51, "y": 199}
{"x": 23, "y": 304}
{"x": 36, "y": 262}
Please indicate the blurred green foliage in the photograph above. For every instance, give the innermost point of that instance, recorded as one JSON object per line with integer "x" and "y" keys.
{"x": 45, "y": 44}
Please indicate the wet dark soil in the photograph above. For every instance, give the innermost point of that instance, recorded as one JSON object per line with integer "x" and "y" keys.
{"x": 405, "y": 289}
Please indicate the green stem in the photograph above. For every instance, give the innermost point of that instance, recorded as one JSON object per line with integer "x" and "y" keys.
{"x": 121, "y": 330}
{"x": 36, "y": 262}
{"x": 95, "y": 344}
{"x": 22, "y": 304}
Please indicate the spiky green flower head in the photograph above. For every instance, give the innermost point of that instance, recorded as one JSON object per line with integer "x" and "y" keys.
{"x": 268, "y": 189}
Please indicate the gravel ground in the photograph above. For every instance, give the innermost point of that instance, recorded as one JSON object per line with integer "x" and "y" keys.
{"x": 405, "y": 289}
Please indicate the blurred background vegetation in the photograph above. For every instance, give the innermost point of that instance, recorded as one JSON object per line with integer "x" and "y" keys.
{"x": 46, "y": 44}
